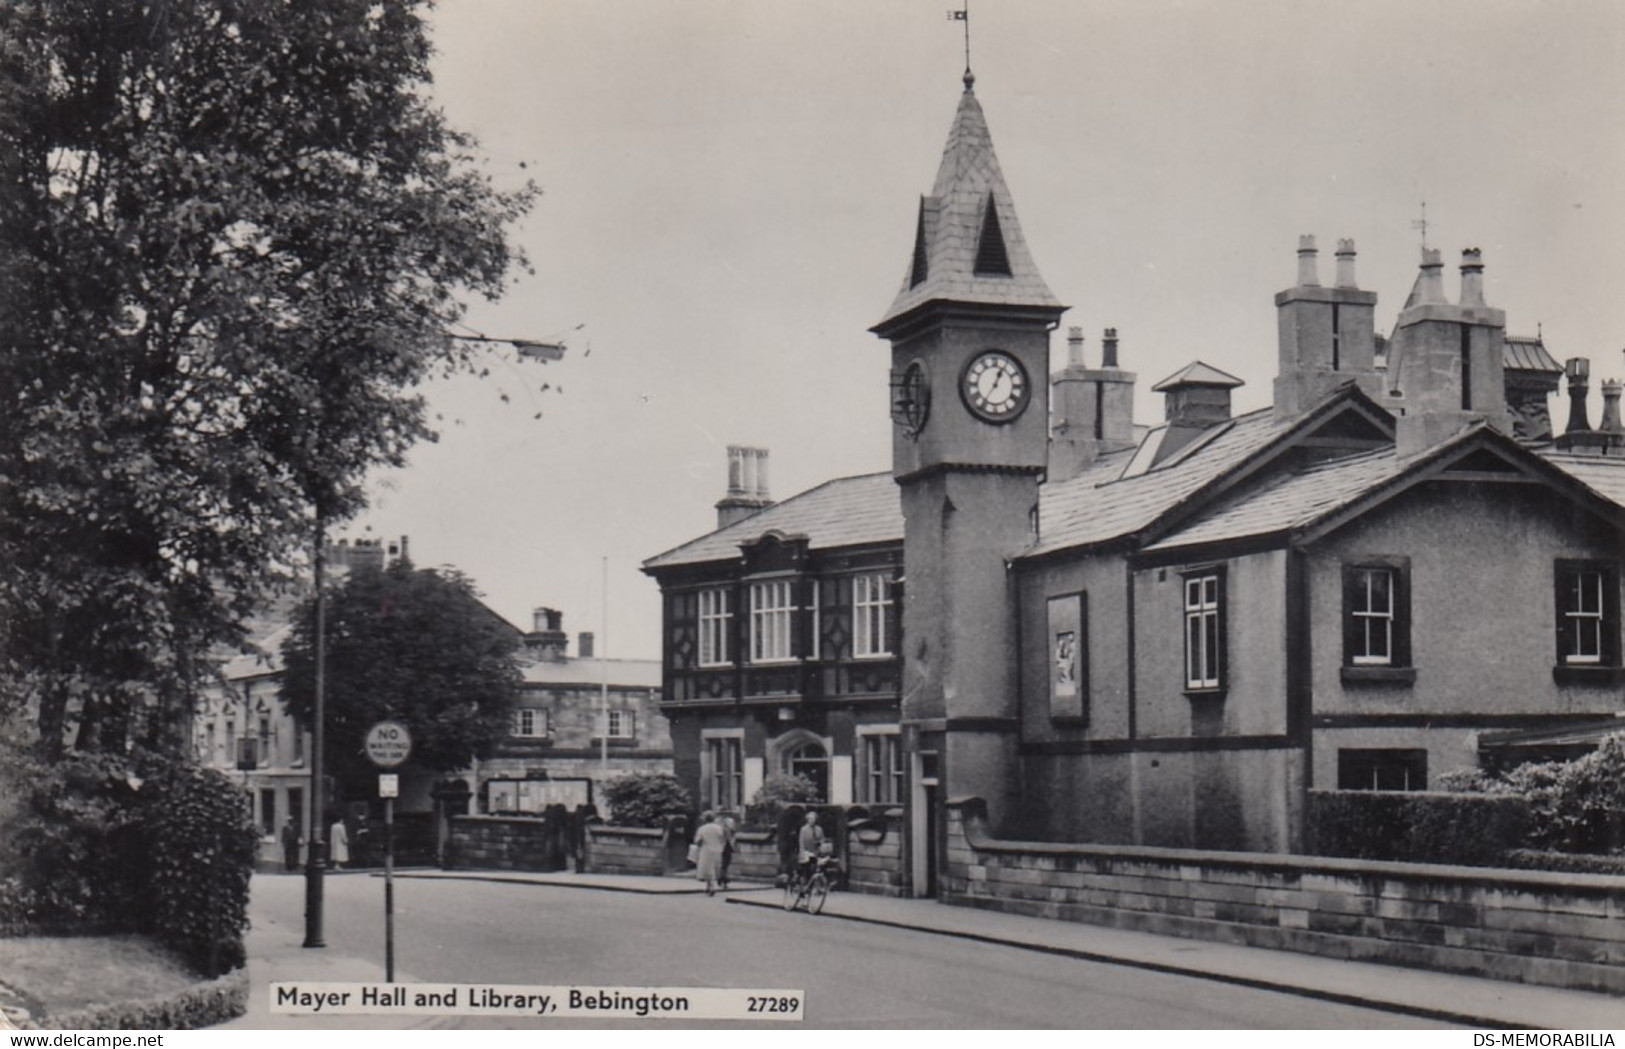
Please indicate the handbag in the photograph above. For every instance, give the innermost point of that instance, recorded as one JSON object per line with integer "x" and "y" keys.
{"x": 693, "y": 852}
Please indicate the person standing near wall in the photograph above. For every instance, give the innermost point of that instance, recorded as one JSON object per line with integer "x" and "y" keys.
{"x": 290, "y": 846}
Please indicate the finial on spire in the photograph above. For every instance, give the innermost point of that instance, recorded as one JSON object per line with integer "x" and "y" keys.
{"x": 1422, "y": 224}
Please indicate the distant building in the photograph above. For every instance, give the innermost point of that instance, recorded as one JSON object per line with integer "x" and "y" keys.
{"x": 556, "y": 752}
{"x": 1165, "y": 635}
{"x": 240, "y": 727}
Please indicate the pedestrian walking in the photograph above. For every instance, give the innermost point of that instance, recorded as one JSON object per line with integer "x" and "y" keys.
{"x": 709, "y": 840}
{"x": 290, "y": 846}
{"x": 338, "y": 845}
{"x": 728, "y": 832}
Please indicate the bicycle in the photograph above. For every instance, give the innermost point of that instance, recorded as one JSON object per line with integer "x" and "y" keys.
{"x": 808, "y": 891}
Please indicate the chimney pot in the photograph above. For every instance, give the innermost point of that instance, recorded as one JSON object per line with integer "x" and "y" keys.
{"x": 761, "y": 474}
{"x": 1472, "y": 277}
{"x": 1345, "y": 263}
{"x": 1610, "y": 407}
{"x": 1074, "y": 347}
{"x": 1578, "y": 372}
{"x": 1308, "y": 262}
{"x": 584, "y": 645}
{"x": 1109, "y": 349}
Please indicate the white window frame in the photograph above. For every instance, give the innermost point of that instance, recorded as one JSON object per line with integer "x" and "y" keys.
{"x": 1372, "y": 618}
{"x": 1586, "y": 622}
{"x": 772, "y": 621}
{"x": 537, "y": 727}
{"x": 871, "y": 615}
{"x": 622, "y": 723}
{"x": 1204, "y": 625}
{"x": 716, "y": 623}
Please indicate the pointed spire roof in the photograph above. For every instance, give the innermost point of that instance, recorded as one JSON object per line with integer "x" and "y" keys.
{"x": 968, "y": 245}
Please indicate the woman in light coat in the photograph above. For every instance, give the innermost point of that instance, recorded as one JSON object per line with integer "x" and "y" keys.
{"x": 711, "y": 840}
{"x": 338, "y": 854}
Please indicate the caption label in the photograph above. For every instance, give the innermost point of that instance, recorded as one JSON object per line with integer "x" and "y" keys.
{"x": 565, "y": 1003}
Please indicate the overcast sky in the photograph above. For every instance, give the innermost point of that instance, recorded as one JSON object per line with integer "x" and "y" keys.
{"x": 729, "y": 202}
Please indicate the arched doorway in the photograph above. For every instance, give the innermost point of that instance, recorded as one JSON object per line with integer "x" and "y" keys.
{"x": 800, "y": 753}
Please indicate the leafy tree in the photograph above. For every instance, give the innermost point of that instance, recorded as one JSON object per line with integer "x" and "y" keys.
{"x": 417, "y": 646}
{"x": 232, "y": 236}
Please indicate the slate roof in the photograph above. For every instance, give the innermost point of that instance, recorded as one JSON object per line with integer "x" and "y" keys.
{"x": 951, "y": 223}
{"x": 1291, "y": 501}
{"x": 1605, "y": 476}
{"x": 622, "y": 673}
{"x": 848, "y": 511}
{"x": 1096, "y": 506}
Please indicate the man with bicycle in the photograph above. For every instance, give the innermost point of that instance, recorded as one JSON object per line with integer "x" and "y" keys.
{"x": 809, "y": 845}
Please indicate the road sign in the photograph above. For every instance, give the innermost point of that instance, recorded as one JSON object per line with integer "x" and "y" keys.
{"x": 388, "y": 744}
{"x": 389, "y": 785}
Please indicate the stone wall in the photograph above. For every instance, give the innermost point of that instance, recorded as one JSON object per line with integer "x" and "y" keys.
{"x": 873, "y": 857}
{"x": 1560, "y": 930}
{"x": 874, "y": 854}
{"x": 626, "y": 850}
{"x": 512, "y": 843}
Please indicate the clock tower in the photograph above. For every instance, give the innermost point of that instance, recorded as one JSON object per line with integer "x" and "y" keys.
{"x": 969, "y": 332}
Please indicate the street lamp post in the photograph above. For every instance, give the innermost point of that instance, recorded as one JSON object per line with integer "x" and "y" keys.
{"x": 316, "y": 855}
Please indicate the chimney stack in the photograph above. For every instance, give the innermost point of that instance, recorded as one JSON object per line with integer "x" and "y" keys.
{"x": 1327, "y": 336}
{"x": 747, "y": 485}
{"x": 547, "y": 637}
{"x": 1092, "y": 409}
{"x": 1448, "y": 361}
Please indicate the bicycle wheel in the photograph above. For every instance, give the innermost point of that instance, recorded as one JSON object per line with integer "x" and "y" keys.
{"x": 817, "y": 893}
{"x": 792, "y": 892}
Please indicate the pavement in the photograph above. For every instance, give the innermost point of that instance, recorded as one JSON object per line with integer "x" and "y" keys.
{"x": 275, "y": 956}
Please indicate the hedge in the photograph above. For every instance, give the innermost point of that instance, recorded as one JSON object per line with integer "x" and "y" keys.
{"x": 1417, "y": 827}
{"x": 204, "y": 1005}
{"x": 134, "y": 843}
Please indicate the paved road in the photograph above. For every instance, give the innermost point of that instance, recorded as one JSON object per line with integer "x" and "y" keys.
{"x": 853, "y": 975}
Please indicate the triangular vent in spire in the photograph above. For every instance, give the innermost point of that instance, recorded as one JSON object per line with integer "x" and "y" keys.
{"x": 921, "y": 266}
{"x": 992, "y": 259}
{"x": 968, "y": 246}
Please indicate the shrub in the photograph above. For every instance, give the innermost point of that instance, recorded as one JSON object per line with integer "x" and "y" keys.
{"x": 1574, "y": 806}
{"x": 777, "y": 793}
{"x": 1417, "y": 827}
{"x": 93, "y": 844}
{"x": 646, "y": 799}
{"x": 202, "y": 849}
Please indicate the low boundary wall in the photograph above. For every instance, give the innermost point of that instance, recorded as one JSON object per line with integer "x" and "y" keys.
{"x": 1559, "y": 930}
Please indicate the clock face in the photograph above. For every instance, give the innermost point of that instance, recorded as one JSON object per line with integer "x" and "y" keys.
{"x": 995, "y": 386}
{"x": 911, "y": 398}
